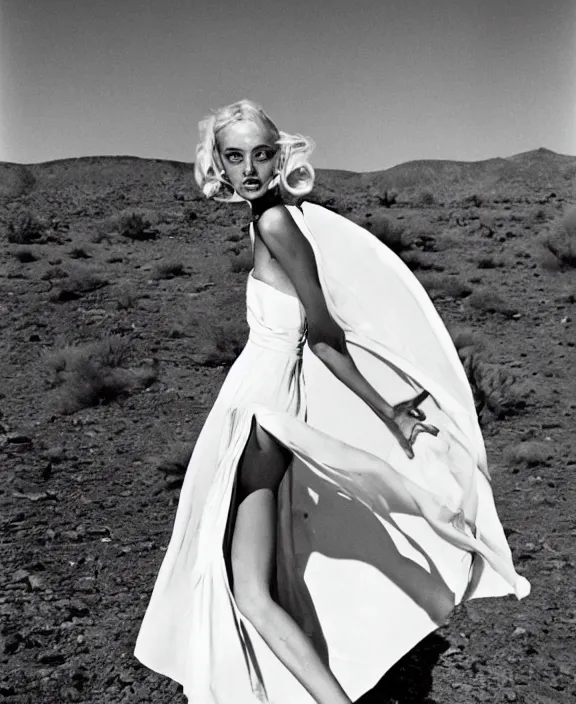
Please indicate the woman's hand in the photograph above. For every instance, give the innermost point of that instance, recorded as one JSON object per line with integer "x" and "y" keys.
{"x": 404, "y": 421}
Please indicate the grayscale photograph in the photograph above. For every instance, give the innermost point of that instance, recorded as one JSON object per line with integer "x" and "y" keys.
{"x": 287, "y": 352}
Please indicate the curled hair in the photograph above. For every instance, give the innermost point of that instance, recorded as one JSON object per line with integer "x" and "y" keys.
{"x": 295, "y": 174}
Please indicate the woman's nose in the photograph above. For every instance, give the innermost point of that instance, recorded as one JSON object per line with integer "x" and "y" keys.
{"x": 248, "y": 167}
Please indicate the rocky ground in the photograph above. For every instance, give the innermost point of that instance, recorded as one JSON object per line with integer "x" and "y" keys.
{"x": 117, "y": 331}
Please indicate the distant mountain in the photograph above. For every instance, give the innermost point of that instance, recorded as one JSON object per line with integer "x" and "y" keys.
{"x": 529, "y": 172}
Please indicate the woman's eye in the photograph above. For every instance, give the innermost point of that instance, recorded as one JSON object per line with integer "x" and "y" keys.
{"x": 233, "y": 157}
{"x": 263, "y": 155}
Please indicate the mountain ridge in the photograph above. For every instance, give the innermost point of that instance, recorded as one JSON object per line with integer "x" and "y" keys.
{"x": 528, "y": 171}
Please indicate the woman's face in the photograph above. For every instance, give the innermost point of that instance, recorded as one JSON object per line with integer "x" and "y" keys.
{"x": 249, "y": 157}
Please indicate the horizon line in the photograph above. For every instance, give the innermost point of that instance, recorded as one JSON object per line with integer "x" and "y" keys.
{"x": 318, "y": 168}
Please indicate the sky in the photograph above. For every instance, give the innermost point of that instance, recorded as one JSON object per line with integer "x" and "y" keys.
{"x": 373, "y": 82}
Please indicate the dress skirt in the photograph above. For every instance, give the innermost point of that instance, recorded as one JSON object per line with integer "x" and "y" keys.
{"x": 374, "y": 549}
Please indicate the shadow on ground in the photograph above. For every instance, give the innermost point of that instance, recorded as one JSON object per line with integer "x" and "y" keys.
{"x": 410, "y": 680}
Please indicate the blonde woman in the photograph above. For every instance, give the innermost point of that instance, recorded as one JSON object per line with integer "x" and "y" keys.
{"x": 337, "y": 504}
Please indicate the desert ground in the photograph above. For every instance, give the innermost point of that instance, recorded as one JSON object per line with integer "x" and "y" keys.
{"x": 122, "y": 309}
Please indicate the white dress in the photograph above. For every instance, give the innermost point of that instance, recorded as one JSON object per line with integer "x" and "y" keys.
{"x": 374, "y": 549}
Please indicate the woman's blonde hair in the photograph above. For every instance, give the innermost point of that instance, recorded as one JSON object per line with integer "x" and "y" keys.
{"x": 295, "y": 173}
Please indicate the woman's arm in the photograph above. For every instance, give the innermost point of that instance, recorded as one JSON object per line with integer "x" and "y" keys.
{"x": 325, "y": 337}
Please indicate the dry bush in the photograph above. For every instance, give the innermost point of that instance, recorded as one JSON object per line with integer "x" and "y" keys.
{"x": 426, "y": 198}
{"x": 228, "y": 342}
{"x": 529, "y": 453}
{"x": 126, "y": 299}
{"x": 497, "y": 391}
{"x": 25, "y": 228}
{"x": 174, "y": 462}
{"x": 76, "y": 284}
{"x": 441, "y": 285}
{"x": 417, "y": 261}
{"x": 190, "y": 215}
{"x": 221, "y": 342}
{"x": 79, "y": 253}
{"x": 466, "y": 339}
{"x": 168, "y": 269}
{"x": 24, "y": 256}
{"x": 242, "y": 262}
{"x": 102, "y": 235}
{"x": 94, "y": 373}
{"x": 490, "y": 262}
{"x": 562, "y": 243}
{"x": 539, "y": 215}
{"x": 473, "y": 200}
{"x": 387, "y": 199}
{"x": 56, "y": 272}
{"x": 136, "y": 225}
{"x": 386, "y": 231}
{"x": 489, "y": 301}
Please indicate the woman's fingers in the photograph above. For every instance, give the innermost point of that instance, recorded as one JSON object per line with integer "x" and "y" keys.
{"x": 411, "y": 405}
{"x": 417, "y": 400}
{"x": 422, "y": 428}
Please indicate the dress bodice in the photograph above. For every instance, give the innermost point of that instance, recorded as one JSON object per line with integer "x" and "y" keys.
{"x": 277, "y": 320}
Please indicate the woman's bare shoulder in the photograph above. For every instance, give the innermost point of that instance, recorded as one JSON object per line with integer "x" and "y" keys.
{"x": 277, "y": 222}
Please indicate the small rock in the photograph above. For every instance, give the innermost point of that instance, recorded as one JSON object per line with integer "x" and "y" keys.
{"x": 51, "y": 658}
{"x": 35, "y": 582}
{"x": 18, "y": 438}
{"x": 20, "y": 575}
{"x": 125, "y": 678}
{"x": 519, "y": 631}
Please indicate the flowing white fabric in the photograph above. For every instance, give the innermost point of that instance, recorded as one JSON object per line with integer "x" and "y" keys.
{"x": 374, "y": 549}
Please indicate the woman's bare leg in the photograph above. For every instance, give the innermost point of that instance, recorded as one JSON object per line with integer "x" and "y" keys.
{"x": 253, "y": 559}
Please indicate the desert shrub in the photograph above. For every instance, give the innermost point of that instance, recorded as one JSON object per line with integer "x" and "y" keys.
{"x": 228, "y": 341}
{"x": 101, "y": 235}
{"x": 489, "y": 262}
{"x": 220, "y": 343}
{"x": 126, "y": 299}
{"x": 76, "y": 284}
{"x": 56, "y": 272}
{"x": 190, "y": 215}
{"x": 25, "y": 228}
{"x": 489, "y": 301}
{"x": 136, "y": 225}
{"x": 426, "y": 198}
{"x": 174, "y": 462}
{"x": 24, "y": 255}
{"x": 242, "y": 262}
{"x": 497, "y": 391}
{"x": 465, "y": 339}
{"x": 473, "y": 200}
{"x": 94, "y": 373}
{"x": 168, "y": 269}
{"x": 387, "y": 199}
{"x": 539, "y": 215}
{"x": 562, "y": 243}
{"x": 78, "y": 253}
{"x": 529, "y": 453}
{"x": 416, "y": 260}
{"x": 442, "y": 285}
{"x": 386, "y": 231}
